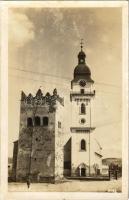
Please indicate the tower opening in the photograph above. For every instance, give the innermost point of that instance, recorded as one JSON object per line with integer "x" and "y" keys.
{"x": 37, "y": 121}
{"x": 29, "y": 122}
{"x": 83, "y": 108}
{"x": 45, "y": 121}
{"x": 82, "y": 91}
{"x": 83, "y": 145}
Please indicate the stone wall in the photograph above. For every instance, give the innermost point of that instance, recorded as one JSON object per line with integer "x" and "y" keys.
{"x": 43, "y": 153}
{"x": 24, "y": 152}
{"x": 67, "y": 158}
{"x": 59, "y": 134}
{"x": 36, "y": 147}
{"x": 14, "y": 165}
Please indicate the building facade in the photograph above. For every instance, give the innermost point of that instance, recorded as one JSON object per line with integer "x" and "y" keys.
{"x": 56, "y": 139}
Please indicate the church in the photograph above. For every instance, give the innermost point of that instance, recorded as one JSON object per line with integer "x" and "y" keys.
{"x": 57, "y": 139}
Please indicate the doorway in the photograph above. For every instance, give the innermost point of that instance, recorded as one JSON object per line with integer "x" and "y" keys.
{"x": 83, "y": 172}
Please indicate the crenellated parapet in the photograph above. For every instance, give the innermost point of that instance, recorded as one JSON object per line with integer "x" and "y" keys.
{"x": 39, "y": 99}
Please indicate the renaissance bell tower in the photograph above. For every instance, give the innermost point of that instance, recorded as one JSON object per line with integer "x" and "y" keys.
{"x": 81, "y": 96}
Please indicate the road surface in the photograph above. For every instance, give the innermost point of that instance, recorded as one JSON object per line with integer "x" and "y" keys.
{"x": 69, "y": 186}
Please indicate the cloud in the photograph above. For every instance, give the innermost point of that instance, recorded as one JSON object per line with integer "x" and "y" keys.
{"x": 21, "y": 29}
{"x": 57, "y": 14}
{"x": 76, "y": 29}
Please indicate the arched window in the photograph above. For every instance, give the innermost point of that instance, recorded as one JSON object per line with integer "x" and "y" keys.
{"x": 83, "y": 145}
{"x": 29, "y": 122}
{"x": 37, "y": 121}
{"x": 83, "y": 108}
{"x": 45, "y": 121}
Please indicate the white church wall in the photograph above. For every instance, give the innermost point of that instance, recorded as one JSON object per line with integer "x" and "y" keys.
{"x": 79, "y": 156}
{"x": 59, "y": 131}
{"x": 77, "y": 116}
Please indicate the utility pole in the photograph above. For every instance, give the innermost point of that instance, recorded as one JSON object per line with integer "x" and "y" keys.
{"x": 89, "y": 134}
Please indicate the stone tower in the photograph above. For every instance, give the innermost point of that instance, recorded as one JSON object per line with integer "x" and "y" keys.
{"x": 40, "y": 154}
{"x": 81, "y": 96}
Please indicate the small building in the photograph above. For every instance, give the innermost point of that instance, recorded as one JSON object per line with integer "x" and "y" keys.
{"x": 10, "y": 164}
{"x": 105, "y": 170}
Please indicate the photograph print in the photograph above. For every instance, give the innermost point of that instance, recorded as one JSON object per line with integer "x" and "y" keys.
{"x": 65, "y": 99}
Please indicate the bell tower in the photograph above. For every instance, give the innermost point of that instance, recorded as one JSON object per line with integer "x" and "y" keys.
{"x": 81, "y": 96}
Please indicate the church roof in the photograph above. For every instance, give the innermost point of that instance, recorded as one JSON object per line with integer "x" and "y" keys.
{"x": 82, "y": 71}
{"x": 98, "y": 154}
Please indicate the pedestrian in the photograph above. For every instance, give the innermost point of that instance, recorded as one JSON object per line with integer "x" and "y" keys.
{"x": 28, "y": 183}
{"x": 38, "y": 177}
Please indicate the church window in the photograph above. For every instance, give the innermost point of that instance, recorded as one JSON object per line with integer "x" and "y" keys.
{"x": 37, "y": 121}
{"x": 59, "y": 124}
{"x": 29, "y": 122}
{"x": 82, "y": 91}
{"x": 83, "y": 108}
{"x": 83, "y": 145}
{"x": 83, "y": 121}
{"x": 45, "y": 121}
{"x": 82, "y": 83}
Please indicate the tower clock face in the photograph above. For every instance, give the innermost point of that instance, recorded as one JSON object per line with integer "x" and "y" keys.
{"x": 82, "y": 83}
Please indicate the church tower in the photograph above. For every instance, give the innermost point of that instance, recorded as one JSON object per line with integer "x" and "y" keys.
{"x": 38, "y": 152}
{"x": 81, "y": 97}
{"x": 56, "y": 139}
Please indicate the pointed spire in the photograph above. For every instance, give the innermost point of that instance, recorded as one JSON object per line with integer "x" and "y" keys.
{"x": 30, "y": 96}
{"x": 23, "y": 96}
{"x": 81, "y": 43}
{"x": 39, "y": 93}
{"x": 81, "y": 55}
{"x": 55, "y": 92}
{"x": 48, "y": 94}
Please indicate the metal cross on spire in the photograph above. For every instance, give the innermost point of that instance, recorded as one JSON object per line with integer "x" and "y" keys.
{"x": 81, "y": 43}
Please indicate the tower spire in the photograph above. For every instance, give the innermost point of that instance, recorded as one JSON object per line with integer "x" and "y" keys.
{"x": 81, "y": 43}
{"x": 81, "y": 55}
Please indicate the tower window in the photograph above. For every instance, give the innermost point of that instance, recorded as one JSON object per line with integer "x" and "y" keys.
{"x": 81, "y": 61}
{"x": 59, "y": 124}
{"x": 83, "y": 145}
{"x": 82, "y": 91}
{"x": 29, "y": 122}
{"x": 37, "y": 121}
{"x": 83, "y": 108}
{"x": 45, "y": 121}
{"x": 83, "y": 121}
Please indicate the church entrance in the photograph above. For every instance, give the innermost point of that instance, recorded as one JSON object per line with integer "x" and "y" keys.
{"x": 83, "y": 172}
{"x": 82, "y": 169}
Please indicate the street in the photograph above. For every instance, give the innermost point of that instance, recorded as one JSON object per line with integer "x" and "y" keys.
{"x": 69, "y": 186}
